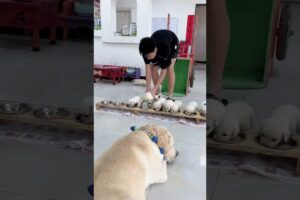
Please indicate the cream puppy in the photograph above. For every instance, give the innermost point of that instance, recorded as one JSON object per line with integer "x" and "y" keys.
{"x": 133, "y": 163}
{"x": 140, "y": 82}
{"x": 147, "y": 97}
{"x": 238, "y": 118}
{"x": 214, "y": 115}
{"x": 280, "y": 126}
{"x": 177, "y": 107}
{"x": 191, "y": 108}
{"x": 168, "y": 105}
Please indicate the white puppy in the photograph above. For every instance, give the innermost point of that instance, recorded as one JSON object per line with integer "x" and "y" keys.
{"x": 135, "y": 101}
{"x": 280, "y": 126}
{"x": 156, "y": 97}
{"x": 202, "y": 108}
{"x": 238, "y": 118}
{"x": 168, "y": 105}
{"x": 177, "y": 107}
{"x": 191, "y": 108}
{"x": 215, "y": 115}
{"x": 157, "y": 105}
{"x": 140, "y": 82}
{"x": 147, "y": 97}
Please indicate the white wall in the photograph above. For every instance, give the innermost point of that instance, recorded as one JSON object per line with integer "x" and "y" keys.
{"x": 109, "y": 49}
{"x": 126, "y": 3}
{"x": 117, "y": 54}
{"x": 177, "y": 9}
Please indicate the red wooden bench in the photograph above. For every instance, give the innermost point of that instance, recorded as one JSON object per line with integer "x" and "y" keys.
{"x": 115, "y": 73}
{"x": 30, "y": 15}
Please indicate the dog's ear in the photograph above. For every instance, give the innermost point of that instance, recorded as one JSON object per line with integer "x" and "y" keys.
{"x": 215, "y": 123}
{"x": 236, "y": 132}
{"x": 251, "y": 122}
{"x": 286, "y": 132}
{"x": 169, "y": 138}
{"x": 286, "y": 136}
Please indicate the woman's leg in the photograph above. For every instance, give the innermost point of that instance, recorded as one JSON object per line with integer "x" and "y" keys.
{"x": 171, "y": 78}
{"x": 217, "y": 44}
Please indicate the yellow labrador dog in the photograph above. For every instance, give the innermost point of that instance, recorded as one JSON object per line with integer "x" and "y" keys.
{"x": 134, "y": 162}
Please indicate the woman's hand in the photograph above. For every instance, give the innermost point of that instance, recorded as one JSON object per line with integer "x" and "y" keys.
{"x": 154, "y": 92}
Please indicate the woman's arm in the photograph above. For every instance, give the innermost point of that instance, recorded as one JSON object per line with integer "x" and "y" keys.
{"x": 148, "y": 77}
{"x": 160, "y": 79}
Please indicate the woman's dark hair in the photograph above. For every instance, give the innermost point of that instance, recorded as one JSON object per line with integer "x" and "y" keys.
{"x": 147, "y": 45}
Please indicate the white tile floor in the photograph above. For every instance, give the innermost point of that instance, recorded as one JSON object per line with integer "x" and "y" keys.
{"x": 48, "y": 77}
{"x": 187, "y": 176}
{"x": 40, "y": 172}
{"x": 224, "y": 184}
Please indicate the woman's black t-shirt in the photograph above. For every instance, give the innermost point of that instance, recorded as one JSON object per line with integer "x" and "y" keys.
{"x": 167, "y": 48}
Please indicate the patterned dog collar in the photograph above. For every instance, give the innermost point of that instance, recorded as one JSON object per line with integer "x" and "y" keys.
{"x": 153, "y": 137}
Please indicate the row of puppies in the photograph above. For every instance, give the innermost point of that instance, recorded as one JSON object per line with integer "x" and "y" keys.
{"x": 228, "y": 122}
{"x": 160, "y": 103}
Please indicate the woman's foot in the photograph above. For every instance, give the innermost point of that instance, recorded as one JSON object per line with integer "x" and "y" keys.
{"x": 170, "y": 98}
{"x": 212, "y": 96}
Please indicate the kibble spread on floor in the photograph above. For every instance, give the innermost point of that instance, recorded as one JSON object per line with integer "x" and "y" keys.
{"x": 186, "y": 176}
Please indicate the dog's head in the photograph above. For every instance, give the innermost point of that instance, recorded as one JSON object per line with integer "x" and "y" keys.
{"x": 215, "y": 114}
{"x": 168, "y": 105}
{"x": 273, "y": 131}
{"x": 228, "y": 129}
{"x": 165, "y": 141}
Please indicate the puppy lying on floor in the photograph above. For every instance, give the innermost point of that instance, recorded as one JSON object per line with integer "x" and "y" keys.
{"x": 134, "y": 162}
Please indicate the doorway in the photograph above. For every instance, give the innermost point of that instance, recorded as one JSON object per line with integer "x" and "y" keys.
{"x": 200, "y": 33}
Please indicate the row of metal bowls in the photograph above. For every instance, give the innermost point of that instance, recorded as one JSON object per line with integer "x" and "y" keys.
{"x": 13, "y": 108}
{"x": 291, "y": 144}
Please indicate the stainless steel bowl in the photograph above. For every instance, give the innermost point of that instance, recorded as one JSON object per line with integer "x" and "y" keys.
{"x": 122, "y": 104}
{"x": 116, "y": 104}
{"x": 85, "y": 119}
{"x": 290, "y": 144}
{"x": 51, "y": 113}
{"x": 146, "y": 105}
{"x": 240, "y": 138}
{"x": 104, "y": 102}
{"x": 7, "y": 107}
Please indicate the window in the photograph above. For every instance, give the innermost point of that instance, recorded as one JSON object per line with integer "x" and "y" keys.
{"x": 120, "y": 20}
{"x": 126, "y": 18}
{"x": 97, "y": 15}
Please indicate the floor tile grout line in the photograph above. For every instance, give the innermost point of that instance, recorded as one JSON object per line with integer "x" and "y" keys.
{"x": 150, "y": 189}
{"x": 215, "y": 186}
